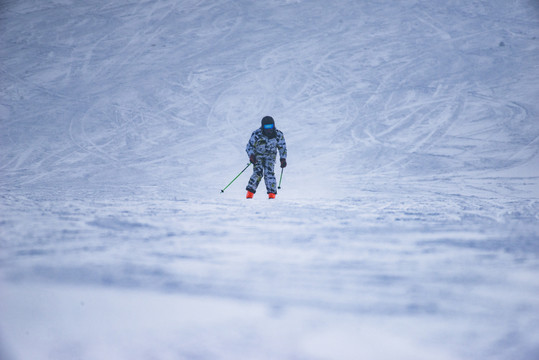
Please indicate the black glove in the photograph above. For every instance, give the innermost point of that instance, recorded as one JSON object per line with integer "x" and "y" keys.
{"x": 252, "y": 159}
{"x": 283, "y": 162}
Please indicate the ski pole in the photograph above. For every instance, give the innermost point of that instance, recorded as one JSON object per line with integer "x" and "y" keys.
{"x": 281, "y": 179}
{"x": 223, "y": 190}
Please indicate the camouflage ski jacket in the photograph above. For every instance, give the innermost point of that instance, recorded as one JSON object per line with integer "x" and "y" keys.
{"x": 260, "y": 145}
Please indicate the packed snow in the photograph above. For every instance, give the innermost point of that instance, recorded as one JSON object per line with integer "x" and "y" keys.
{"x": 407, "y": 225}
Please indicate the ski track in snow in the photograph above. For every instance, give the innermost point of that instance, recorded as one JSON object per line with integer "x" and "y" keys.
{"x": 408, "y": 222}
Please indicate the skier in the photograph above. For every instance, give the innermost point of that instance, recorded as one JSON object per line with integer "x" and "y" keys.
{"x": 262, "y": 150}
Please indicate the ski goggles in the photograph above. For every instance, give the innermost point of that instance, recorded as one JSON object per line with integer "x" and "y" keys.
{"x": 268, "y": 126}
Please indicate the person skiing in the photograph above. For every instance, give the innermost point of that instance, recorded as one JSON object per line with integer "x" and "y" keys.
{"x": 262, "y": 151}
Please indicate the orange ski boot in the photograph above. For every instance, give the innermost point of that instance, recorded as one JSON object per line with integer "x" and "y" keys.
{"x": 249, "y": 195}
{"x": 271, "y": 196}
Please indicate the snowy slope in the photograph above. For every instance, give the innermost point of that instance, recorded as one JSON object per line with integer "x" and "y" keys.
{"x": 408, "y": 221}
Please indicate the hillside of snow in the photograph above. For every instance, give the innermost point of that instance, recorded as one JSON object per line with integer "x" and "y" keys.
{"x": 407, "y": 226}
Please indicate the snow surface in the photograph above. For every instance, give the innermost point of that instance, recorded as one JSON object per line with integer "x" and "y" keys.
{"x": 407, "y": 225}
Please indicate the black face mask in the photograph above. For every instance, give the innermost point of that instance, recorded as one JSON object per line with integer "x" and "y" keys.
{"x": 269, "y": 130}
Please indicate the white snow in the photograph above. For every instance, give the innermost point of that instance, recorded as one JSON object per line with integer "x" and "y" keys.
{"x": 407, "y": 225}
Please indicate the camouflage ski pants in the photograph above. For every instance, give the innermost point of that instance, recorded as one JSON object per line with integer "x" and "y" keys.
{"x": 264, "y": 167}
